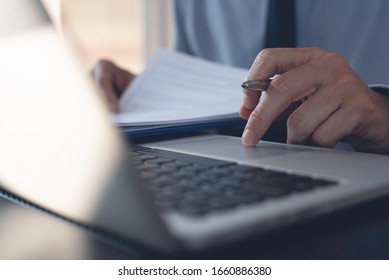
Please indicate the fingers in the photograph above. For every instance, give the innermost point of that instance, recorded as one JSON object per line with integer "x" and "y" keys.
{"x": 270, "y": 62}
{"x": 310, "y": 115}
{"x": 103, "y": 73}
{"x": 244, "y": 112}
{"x": 249, "y": 104}
{"x": 112, "y": 81}
{"x": 336, "y": 103}
{"x": 269, "y": 107}
{"x": 284, "y": 90}
{"x": 326, "y": 136}
{"x": 277, "y": 61}
{"x": 358, "y": 119}
{"x": 106, "y": 86}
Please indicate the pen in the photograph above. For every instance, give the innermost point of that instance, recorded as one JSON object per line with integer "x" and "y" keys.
{"x": 261, "y": 85}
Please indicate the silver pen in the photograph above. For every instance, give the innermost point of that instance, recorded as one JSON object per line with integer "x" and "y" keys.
{"x": 260, "y": 85}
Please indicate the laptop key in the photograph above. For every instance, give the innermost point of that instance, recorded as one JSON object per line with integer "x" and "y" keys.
{"x": 205, "y": 185}
{"x": 176, "y": 164}
{"x": 158, "y": 160}
{"x": 268, "y": 190}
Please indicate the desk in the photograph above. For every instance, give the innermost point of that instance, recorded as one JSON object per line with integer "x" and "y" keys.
{"x": 358, "y": 233}
{"x": 26, "y": 233}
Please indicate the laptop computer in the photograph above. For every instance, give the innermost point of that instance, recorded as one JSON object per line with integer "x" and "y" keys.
{"x": 60, "y": 153}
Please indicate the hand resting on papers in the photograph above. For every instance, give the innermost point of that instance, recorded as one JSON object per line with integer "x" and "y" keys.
{"x": 111, "y": 81}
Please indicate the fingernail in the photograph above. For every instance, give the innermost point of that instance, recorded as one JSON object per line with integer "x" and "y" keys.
{"x": 249, "y": 138}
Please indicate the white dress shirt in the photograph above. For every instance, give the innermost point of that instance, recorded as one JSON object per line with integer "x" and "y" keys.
{"x": 233, "y": 31}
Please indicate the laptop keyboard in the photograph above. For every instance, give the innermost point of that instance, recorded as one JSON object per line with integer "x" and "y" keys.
{"x": 196, "y": 185}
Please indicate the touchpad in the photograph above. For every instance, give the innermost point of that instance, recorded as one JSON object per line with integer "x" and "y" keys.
{"x": 225, "y": 147}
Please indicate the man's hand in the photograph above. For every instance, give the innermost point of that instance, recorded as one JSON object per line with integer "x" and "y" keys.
{"x": 335, "y": 103}
{"x": 112, "y": 81}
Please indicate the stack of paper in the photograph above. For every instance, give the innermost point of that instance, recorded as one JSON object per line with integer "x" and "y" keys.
{"x": 180, "y": 91}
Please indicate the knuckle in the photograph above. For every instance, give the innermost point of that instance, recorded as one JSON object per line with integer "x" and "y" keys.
{"x": 297, "y": 124}
{"x": 339, "y": 71}
{"x": 257, "y": 119}
{"x": 317, "y": 50}
{"x": 347, "y": 78}
{"x": 335, "y": 59}
{"x": 313, "y": 53}
{"x": 320, "y": 139}
{"x": 264, "y": 55}
{"x": 280, "y": 85}
{"x": 244, "y": 113}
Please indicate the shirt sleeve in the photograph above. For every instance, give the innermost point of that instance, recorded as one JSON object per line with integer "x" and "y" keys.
{"x": 380, "y": 88}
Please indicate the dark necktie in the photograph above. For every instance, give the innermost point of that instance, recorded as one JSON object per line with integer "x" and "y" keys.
{"x": 281, "y": 24}
{"x": 280, "y": 32}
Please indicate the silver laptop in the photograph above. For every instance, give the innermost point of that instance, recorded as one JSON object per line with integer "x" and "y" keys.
{"x": 60, "y": 153}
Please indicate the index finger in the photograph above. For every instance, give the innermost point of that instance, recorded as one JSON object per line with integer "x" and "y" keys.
{"x": 292, "y": 85}
{"x": 106, "y": 86}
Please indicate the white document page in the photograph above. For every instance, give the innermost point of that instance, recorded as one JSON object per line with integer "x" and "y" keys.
{"x": 180, "y": 89}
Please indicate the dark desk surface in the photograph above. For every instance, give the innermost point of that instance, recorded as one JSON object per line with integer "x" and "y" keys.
{"x": 358, "y": 233}
{"x": 26, "y": 233}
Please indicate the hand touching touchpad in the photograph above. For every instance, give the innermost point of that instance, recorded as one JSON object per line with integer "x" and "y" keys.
{"x": 225, "y": 147}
